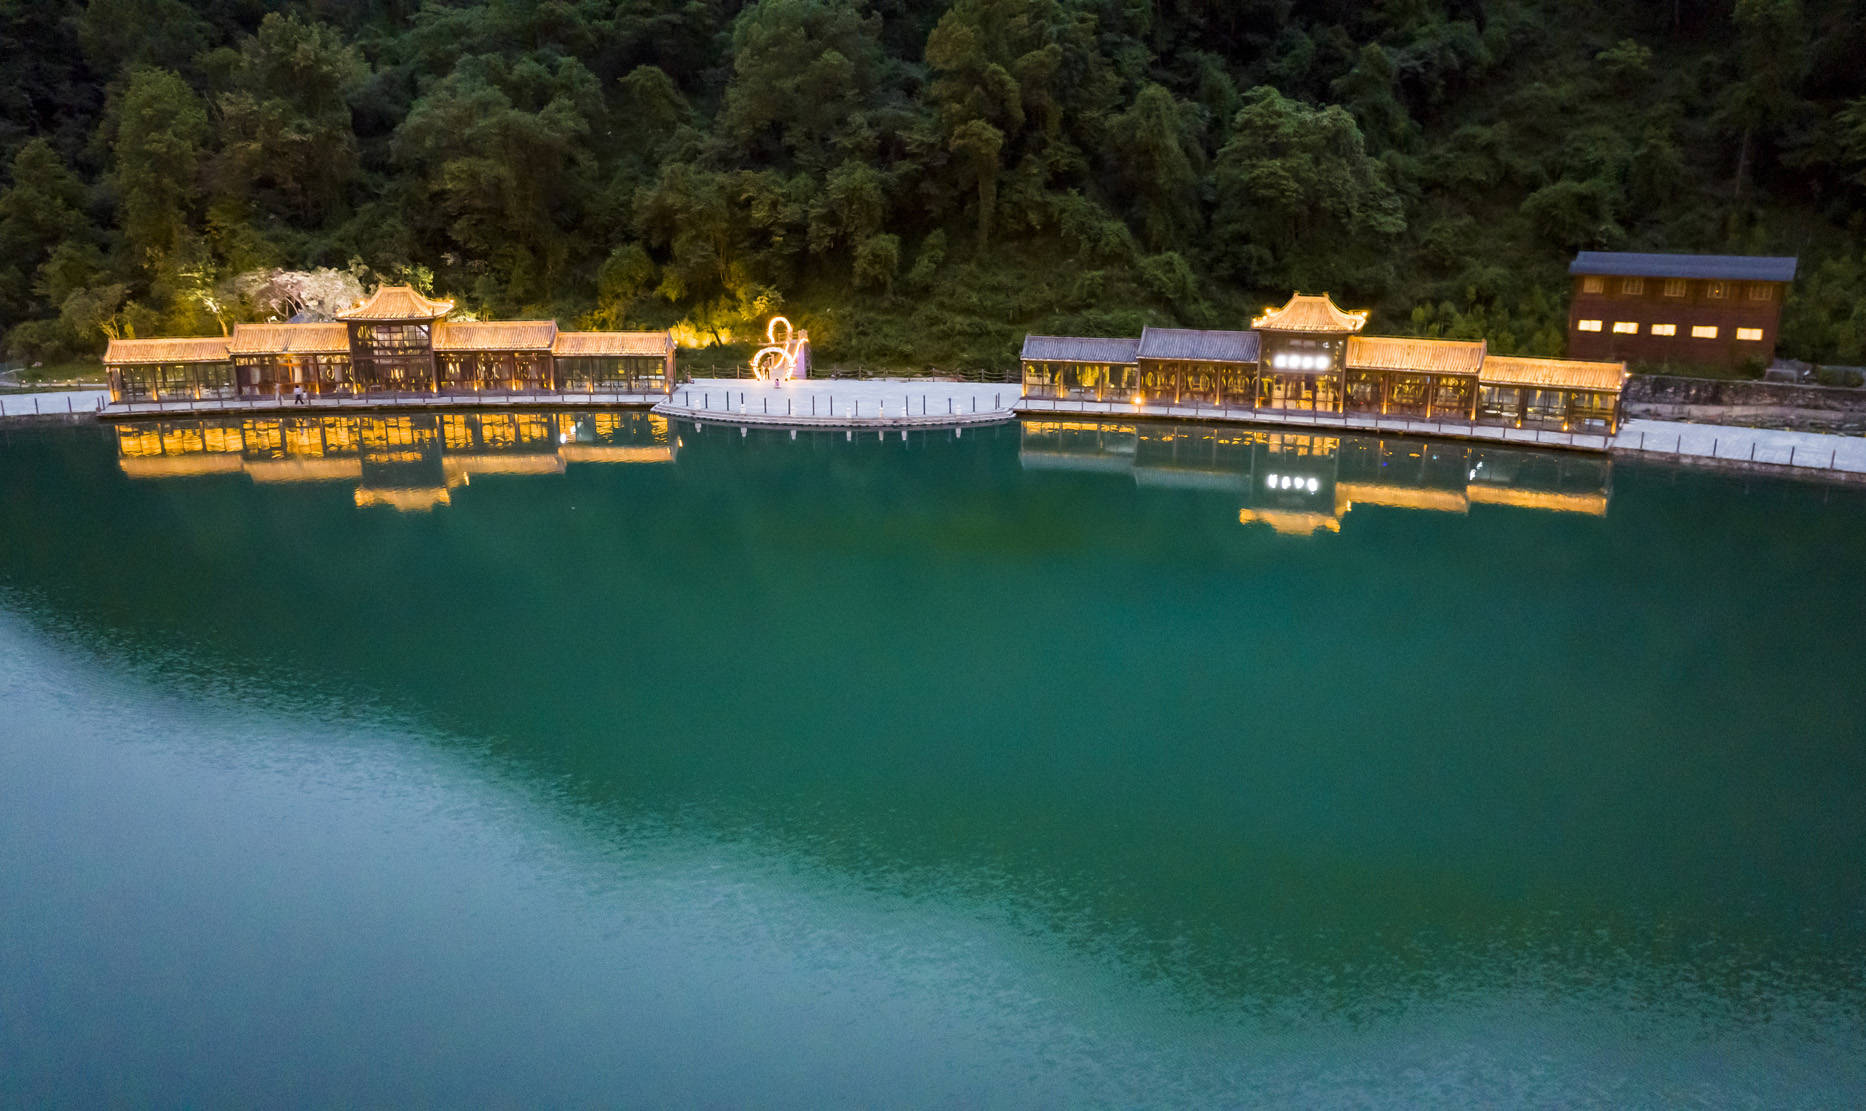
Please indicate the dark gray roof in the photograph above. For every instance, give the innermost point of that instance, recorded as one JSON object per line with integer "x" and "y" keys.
{"x": 1079, "y": 349}
{"x": 1192, "y": 344}
{"x": 1740, "y": 268}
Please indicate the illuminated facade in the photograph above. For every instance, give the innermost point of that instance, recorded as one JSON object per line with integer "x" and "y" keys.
{"x": 397, "y": 342}
{"x": 1702, "y": 310}
{"x": 1309, "y": 356}
{"x": 1304, "y": 483}
{"x": 405, "y": 462}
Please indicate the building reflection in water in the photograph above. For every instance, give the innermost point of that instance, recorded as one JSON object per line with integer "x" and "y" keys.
{"x": 408, "y": 462}
{"x": 1302, "y": 483}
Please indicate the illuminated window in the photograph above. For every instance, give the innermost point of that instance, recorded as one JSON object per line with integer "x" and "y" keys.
{"x": 1749, "y": 333}
{"x": 1761, "y": 291}
{"x": 1704, "y": 331}
{"x": 1675, "y": 287}
{"x": 1587, "y": 325}
{"x": 1593, "y": 285}
{"x": 1665, "y": 329}
{"x": 1632, "y": 285}
{"x": 1625, "y": 328}
{"x": 1716, "y": 291}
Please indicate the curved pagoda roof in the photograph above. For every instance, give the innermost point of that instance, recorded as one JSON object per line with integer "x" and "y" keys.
{"x": 1310, "y": 312}
{"x": 397, "y": 302}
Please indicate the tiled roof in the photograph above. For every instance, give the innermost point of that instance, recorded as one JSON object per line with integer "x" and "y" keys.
{"x": 1552, "y": 374}
{"x": 1431, "y": 356}
{"x": 1741, "y": 268}
{"x": 290, "y": 339}
{"x": 1198, "y": 346}
{"x": 571, "y": 345}
{"x": 186, "y": 349}
{"x": 1080, "y": 349}
{"x": 495, "y": 335}
{"x": 1310, "y": 312}
{"x": 397, "y": 302}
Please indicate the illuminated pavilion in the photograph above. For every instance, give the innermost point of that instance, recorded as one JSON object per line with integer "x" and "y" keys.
{"x": 1310, "y": 356}
{"x": 395, "y": 342}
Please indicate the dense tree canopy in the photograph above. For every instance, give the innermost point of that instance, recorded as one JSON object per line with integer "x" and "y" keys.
{"x": 918, "y": 181}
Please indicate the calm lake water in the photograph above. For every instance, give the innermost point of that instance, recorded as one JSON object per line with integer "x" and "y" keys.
{"x": 587, "y": 760}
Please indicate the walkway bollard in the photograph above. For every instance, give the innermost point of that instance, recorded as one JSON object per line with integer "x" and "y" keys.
{"x": 1752, "y": 451}
{"x": 1713, "y": 447}
{"x": 1642, "y": 441}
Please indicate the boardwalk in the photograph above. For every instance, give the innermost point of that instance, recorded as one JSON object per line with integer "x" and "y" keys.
{"x": 844, "y": 403}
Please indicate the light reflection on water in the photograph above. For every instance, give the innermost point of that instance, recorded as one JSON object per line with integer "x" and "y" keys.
{"x": 471, "y": 824}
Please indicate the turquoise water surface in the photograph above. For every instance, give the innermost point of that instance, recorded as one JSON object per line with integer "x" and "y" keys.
{"x": 566, "y": 761}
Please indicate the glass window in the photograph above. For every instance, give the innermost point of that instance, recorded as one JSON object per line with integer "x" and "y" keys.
{"x": 1593, "y": 285}
{"x": 1665, "y": 329}
{"x": 1717, "y": 291}
{"x": 1626, "y": 327}
{"x": 1704, "y": 331}
{"x": 1749, "y": 333}
{"x": 1587, "y": 325}
{"x": 1675, "y": 287}
{"x": 1632, "y": 285}
{"x": 1761, "y": 291}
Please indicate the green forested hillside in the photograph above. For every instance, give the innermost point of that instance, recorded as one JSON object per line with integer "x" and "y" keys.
{"x": 920, "y": 182}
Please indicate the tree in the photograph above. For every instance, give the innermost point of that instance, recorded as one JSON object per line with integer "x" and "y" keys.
{"x": 1300, "y": 200}
{"x": 40, "y": 213}
{"x": 287, "y": 136}
{"x": 1157, "y": 161}
{"x": 1772, "y": 48}
{"x": 501, "y": 155}
{"x": 158, "y": 135}
{"x": 802, "y": 71}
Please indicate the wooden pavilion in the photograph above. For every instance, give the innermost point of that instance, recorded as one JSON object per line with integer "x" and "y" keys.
{"x": 1309, "y": 355}
{"x": 395, "y": 342}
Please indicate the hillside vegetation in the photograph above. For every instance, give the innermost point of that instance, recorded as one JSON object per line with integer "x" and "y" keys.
{"x": 920, "y": 183}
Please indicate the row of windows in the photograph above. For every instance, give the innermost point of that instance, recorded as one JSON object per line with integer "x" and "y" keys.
{"x": 1678, "y": 287}
{"x": 1698, "y": 331}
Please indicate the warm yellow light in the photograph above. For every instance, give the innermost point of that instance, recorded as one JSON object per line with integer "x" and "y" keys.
{"x": 1140, "y": 399}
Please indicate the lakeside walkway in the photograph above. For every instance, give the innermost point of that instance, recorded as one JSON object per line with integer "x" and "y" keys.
{"x": 844, "y": 402}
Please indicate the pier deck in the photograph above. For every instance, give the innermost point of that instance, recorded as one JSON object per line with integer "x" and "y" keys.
{"x": 844, "y": 403}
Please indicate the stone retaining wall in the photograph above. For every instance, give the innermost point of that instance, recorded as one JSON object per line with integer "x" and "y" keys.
{"x": 1755, "y": 404}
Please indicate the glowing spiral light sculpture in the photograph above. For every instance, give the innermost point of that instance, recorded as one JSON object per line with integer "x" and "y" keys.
{"x": 777, "y": 361}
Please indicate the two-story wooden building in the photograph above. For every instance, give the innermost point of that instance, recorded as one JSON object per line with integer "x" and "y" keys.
{"x": 1687, "y": 310}
{"x": 395, "y": 342}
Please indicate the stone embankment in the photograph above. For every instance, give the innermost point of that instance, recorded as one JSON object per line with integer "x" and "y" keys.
{"x": 1782, "y": 405}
